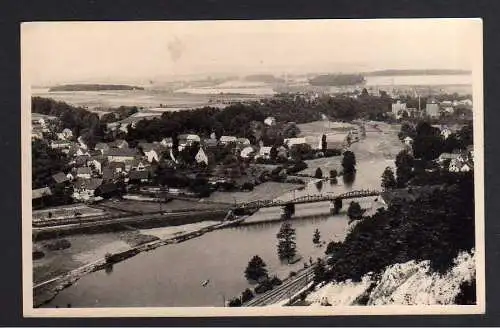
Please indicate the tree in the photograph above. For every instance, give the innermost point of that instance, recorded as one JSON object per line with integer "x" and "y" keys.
{"x": 247, "y": 295}
{"x": 404, "y": 168}
{"x": 428, "y": 142}
{"x": 256, "y": 269}
{"x": 318, "y": 174}
{"x": 319, "y": 271}
{"x": 324, "y": 144}
{"x": 354, "y": 212}
{"x": 333, "y": 174}
{"x": 291, "y": 130}
{"x": 273, "y": 154}
{"x": 388, "y": 179}
{"x": 316, "y": 237}
{"x": 286, "y": 242}
{"x": 349, "y": 162}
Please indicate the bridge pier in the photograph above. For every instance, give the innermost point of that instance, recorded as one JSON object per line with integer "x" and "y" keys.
{"x": 335, "y": 206}
{"x": 288, "y": 211}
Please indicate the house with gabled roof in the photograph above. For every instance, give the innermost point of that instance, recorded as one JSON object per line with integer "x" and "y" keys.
{"x": 152, "y": 151}
{"x": 138, "y": 177}
{"x": 247, "y": 152}
{"x": 201, "y": 157}
{"x": 60, "y": 178}
{"x": 118, "y": 143}
{"x": 84, "y": 189}
{"x": 84, "y": 173}
{"x": 167, "y": 142}
{"x": 225, "y": 140}
{"x": 40, "y": 196}
{"x": 121, "y": 154}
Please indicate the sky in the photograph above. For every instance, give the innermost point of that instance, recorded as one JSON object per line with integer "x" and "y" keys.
{"x": 62, "y": 52}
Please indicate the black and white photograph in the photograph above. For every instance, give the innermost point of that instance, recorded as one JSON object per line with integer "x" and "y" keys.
{"x": 259, "y": 167}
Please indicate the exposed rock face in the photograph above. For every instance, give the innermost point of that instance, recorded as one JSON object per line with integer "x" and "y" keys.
{"x": 410, "y": 283}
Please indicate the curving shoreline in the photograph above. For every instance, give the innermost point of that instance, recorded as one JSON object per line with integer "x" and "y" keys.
{"x": 46, "y": 291}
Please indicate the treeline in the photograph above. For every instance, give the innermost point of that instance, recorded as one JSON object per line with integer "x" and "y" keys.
{"x": 242, "y": 120}
{"x": 93, "y": 87}
{"x": 245, "y": 120}
{"x": 118, "y": 114}
{"x": 337, "y": 79}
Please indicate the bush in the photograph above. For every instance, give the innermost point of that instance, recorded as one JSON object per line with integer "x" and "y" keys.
{"x": 263, "y": 287}
{"x": 292, "y": 274}
{"x": 38, "y": 255}
{"x": 275, "y": 281}
{"x": 234, "y": 302}
{"x": 247, "y": 295}
{"x": 58, "y": 245}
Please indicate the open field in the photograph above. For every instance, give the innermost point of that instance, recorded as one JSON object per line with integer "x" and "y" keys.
{"x": 147, "y": 207}
{"x": 68, "y": 211}
{"x": 317, "y": 128}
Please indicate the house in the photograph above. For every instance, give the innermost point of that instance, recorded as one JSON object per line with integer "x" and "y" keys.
{"x": 294, "y": 141}
{"x": 121, "y": 154}
{"x": 243, "y": 141}
{"x": 458, "y": 165}
{"x": 138, "y": 177}
{"x": 81, "y": 142}
{"x": 167, "y": 142}
{"x": 201, "y": 157}
{"x": 73, "y": 148}
{"x": 139, "y": 164}
{"x": 108, "y": 174}
{"x": 102, "y": 147}
{"x": 96, "y": 163}
{"x": 152, "y": 151}
{"x": 224, "y": 140}
{"x": 117, "y": 167}
{"x": 270, "y": 121}
{"x": 85, "y": 189}
{"x": 470, "y": 150}
{"x": 247, "y": 152}
{"x": 67, "y": 133}
{"x": 82, "y": 152}
{"x": 188, "y": 140}
{"x": 397, "y": 108}
{"x": 446, "y": 132}
{"x": 84, "y": 173}
{"x": 40, "y": 196}
{"x": 210, "y": 143}
{"x": 60, "y": 178}
{"x": 60, "y": 144}
{"x": 408, "y": 141}
{"x": 448, "y": 109}
{"x": 446, "y": 156}
{"x": 119, "y": 143}
{"x": 265, "y": 152}
{"x": 432, "y": 109}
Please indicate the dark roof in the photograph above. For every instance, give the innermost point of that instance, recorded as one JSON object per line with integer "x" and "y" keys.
{"x": 210, "y": 143}
{"x": 81, "y": 160}
{"x": 60, "y": 177}
{"x": 117, "y": 143}
{"x": 101, "y": 145}
{"x": 107, "y": 187}
{"x": 40, "y": 192}
{"x": 115, "y": 165}
{"x": 108, "y": 173}
{"x": 138, "y": 175}
{"x": 90, "y": 184}
{"x": 83, "y": 170}
{"x": 125, "y": 152}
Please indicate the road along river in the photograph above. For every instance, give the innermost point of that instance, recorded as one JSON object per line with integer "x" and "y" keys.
{"x": 172, "y": 275}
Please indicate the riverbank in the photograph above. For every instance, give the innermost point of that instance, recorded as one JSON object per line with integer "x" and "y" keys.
{"x": 44, "y": 292}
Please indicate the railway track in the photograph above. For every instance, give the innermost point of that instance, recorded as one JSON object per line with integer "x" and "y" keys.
{"x": 284, "y": 291}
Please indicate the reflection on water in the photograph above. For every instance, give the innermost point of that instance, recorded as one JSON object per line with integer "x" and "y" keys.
{"x": 348, "y": 179}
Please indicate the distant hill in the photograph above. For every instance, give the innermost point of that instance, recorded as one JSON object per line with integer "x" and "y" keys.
{"x": 337, "y": 80}
{"x": 263, "y": 78}
{"x": 401, "y": 72}
{"x": 93, "y": 87}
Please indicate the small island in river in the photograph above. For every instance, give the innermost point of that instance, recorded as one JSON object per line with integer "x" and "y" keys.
{"x": 93, "y": 87}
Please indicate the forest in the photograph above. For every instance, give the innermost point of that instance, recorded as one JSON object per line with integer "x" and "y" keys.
{"x": 337, "y": 79}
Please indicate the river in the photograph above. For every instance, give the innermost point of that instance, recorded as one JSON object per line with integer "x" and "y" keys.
{"x": 172, "y": 275}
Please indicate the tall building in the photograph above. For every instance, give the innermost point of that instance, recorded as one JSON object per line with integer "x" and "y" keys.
{"x": 398, "y": 107}
{"x": 432, "y": 108}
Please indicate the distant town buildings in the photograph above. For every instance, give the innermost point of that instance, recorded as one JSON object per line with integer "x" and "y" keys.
{"x": 432, "y": 109}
